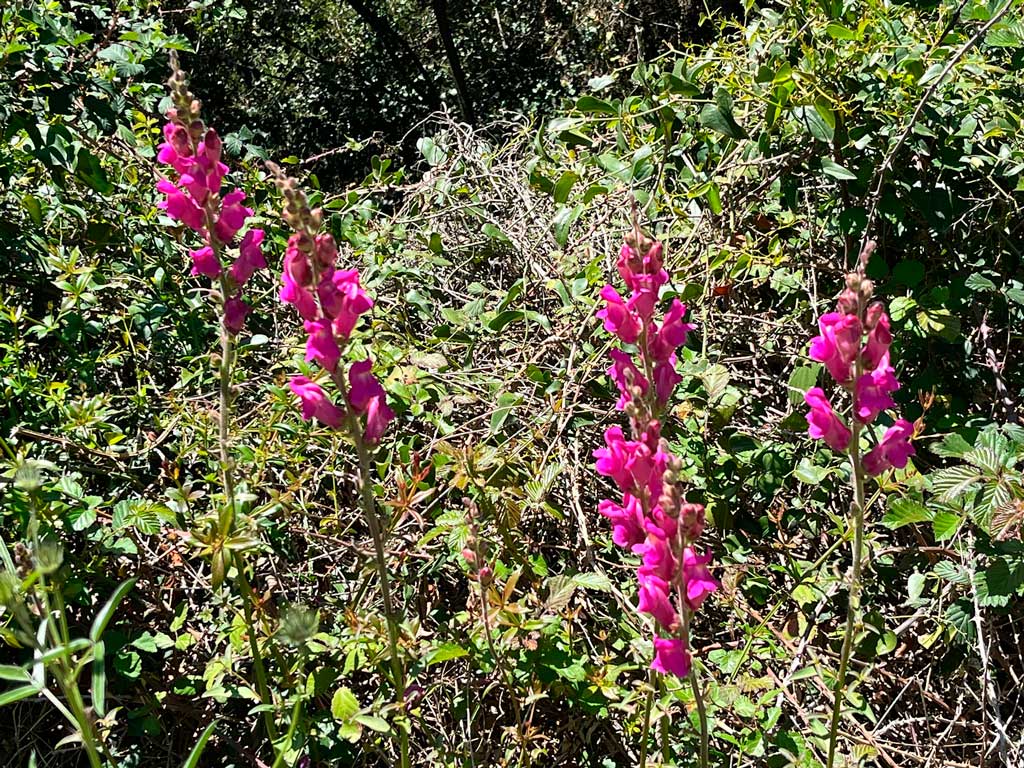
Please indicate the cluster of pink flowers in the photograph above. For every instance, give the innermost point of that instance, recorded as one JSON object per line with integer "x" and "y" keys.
{"x": 194, "y": 199}
{"x": 330, "y": 302}
{"x": 854, "y": 347}
{"x": 652, "y": 520}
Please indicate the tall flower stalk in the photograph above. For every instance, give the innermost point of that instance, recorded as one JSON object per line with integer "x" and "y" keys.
{"x": 192, "y": 196}
{"x": 854, "y": 347}
{"x": 653, "y": 519}
{"x": 330, "y": 301}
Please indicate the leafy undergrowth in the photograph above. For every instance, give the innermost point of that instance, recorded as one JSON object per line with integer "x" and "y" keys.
{"x": 760, "y": 161}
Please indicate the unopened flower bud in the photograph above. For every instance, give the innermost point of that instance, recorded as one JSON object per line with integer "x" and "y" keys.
{"x": 469, "y": 555}
{"x": 485, "y": 575}
{"x": 49, "y": 556}
{"x": 848, "y": 302}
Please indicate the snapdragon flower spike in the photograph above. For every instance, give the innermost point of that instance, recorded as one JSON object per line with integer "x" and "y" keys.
{"x": 652, "y": 520}
{"x": 193, "y": 153}
{"x": 330, "y": 302}
{"x": 853, "y": 344}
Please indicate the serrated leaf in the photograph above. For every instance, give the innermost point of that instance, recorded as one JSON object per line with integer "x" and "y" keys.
{"x": 560, "y": 591}
{"x": 803, "y": 378}
{"x": 903, "y": 511}
{"x": 953, "y": 446}
{"x": 596, "y": 581}
{"x": 945, "y": 525}
{"x": 953, "y": 482}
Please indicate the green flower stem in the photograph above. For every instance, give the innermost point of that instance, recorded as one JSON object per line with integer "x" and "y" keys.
{"x": 648, "y": 706}
{"x": 369, "y": 504}
{"x": 257, "y": 659}
{"x": 702, "y": 715}
{"x": 853, "y": 607}
{"x": 296, "y": 711}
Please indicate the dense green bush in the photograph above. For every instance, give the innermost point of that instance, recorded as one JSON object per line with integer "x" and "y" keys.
{"x": 762, "y": 159}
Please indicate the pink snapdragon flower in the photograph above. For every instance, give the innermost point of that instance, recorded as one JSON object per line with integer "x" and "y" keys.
{"x": 652, "y": 520}
{"x": 321, "y": 344}
{"x": 235, "y": 312}
{"x": 871, "y": 393}
{"x": 316, "y": 404}
{"x": 618, "y": 318}
{"x": 193, "y": 152}
{"x": 838, "y": 344}
{"x": 250, "y": 257}
{"x": 330, "y": 302}
{"x": 893, "y": 450}
{"x": 671, "y": 657}
{"x": 823, "y": 423}
{"x": 368, "y": 397}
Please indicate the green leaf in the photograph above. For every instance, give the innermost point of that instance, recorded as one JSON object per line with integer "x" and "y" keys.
{"x": 946, "y": 524}
{"x": 836, "y": 171}
{"x": 344, "y": 705}
{"x": 14, "y": 674}
{"x": 107, "y": 612}
{"x": 17, "y": 694}
{"x": 192, "y": 761}
{"x": 99, "y": 678}
{"x": 905, "y": 512}
{"x": 915, "y": 586}
{"x": 839, "y": 32}
{"x": 595, "y": 105}
{"x": 953, "y": 446}
{"x": 445, "y": 652}
{"x": 500, "y": 320}
{"x": 812, "y": 121}
{"x": 803, "y": 378}
{"x": 977, "y": 282}
{"x": 596, "y": 581}
{"x": 718, "y": 117}
{"x": 808, "y": 473}
{"x": 433, "y": 154}
{"x": 373, "y": 723}
{"x": 564, "y": 186}
{"x": 495, "y": 233}
{"x": 939, "y": 322}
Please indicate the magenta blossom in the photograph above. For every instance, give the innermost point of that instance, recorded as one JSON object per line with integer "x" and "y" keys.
{"x": 879, "y": 335}
{"x": 871, "y": 393}
{"x": 618, "y": 318}
{"x": 367, "y": 396}
{"x": 315, "y": 404}
{"x": 235, "y": 311}
{"x": 343, "y": 300}
{"x": 232, "y": 216}
{"x": 838, "y": 344}
{"x": 250, "y": 257}
{"x": 699, "y": 581}
{"x": 321, "y": 345}
{"x": 822, "y": 421}
{"x": 671, "y": 657}
{"x": 621, "y": 362}
{"x": 298, "y": 296}
{"x": 671, "y": 334}
{"x": 893, "y": 450}
{"x": 204, "y": 262}
{"x": 627, "y": 521}
{"x": 180, "y": 206}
